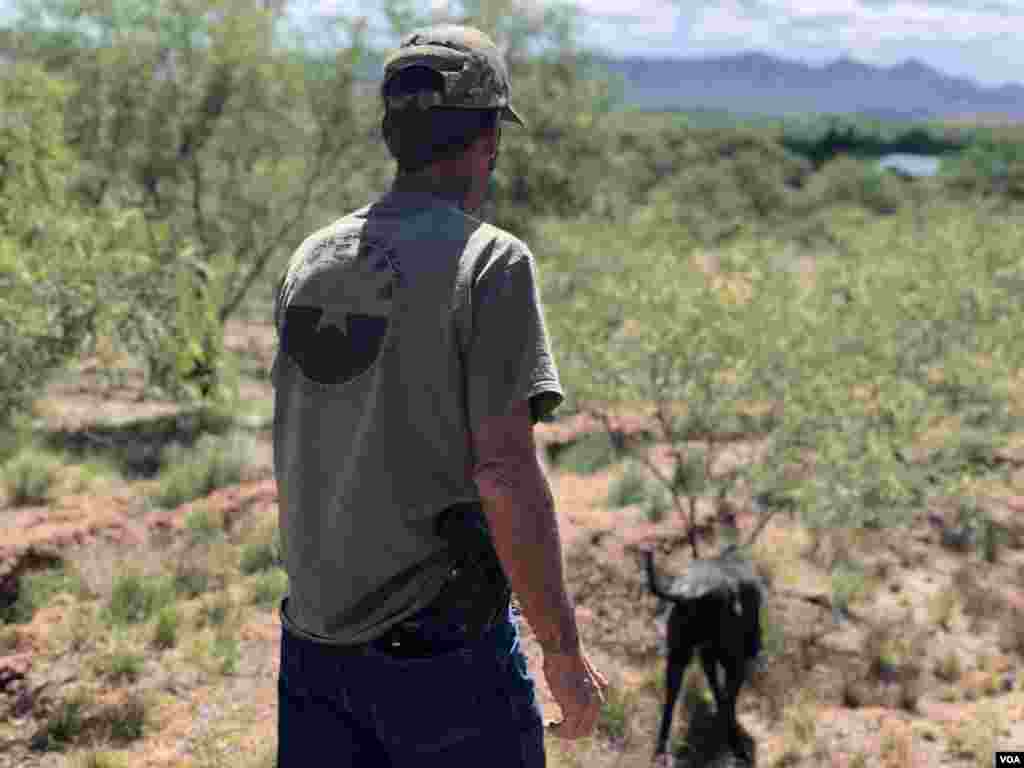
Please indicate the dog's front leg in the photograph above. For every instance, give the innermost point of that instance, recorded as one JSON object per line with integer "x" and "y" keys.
{"x": 677, "y": 662}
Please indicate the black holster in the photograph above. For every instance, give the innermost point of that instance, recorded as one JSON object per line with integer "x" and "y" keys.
{"x": 477, "y": 592}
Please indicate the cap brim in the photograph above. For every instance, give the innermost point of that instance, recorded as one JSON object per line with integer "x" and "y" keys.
{"x": 508, "y": 114}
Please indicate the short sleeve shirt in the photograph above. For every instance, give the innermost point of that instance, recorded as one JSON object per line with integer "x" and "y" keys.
{"x": 400, "y": 327}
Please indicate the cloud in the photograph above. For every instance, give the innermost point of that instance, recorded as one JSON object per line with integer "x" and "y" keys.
{"x": 638, "y": 22}
{"x": 860, "y": 24}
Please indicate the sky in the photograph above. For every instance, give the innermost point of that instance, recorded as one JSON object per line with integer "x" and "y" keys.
{"x": 978, "y": 39}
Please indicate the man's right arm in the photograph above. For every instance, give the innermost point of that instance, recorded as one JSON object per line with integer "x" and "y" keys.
{"x": 520, "y": 511}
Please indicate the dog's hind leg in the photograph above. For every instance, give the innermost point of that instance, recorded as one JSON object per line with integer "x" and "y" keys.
{"x": 709, "y": 661}
{"x": 734, "y": 675}
{"x": 678, "y": 659}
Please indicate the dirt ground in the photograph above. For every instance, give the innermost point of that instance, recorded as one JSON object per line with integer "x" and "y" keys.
{"x": 923, "y": 671}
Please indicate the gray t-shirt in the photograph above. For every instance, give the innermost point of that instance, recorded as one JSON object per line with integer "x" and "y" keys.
{"x": 399, "y": 327}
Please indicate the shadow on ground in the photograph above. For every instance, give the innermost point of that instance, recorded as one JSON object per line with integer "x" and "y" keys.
{"x": 136, "y": 447}
{"x": 706, "y": 744}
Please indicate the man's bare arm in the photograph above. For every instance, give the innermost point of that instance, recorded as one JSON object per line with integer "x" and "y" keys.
{"x": 520, "y": 510}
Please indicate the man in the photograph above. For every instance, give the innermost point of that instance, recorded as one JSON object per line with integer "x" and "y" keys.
{"x": 413, "y": 363}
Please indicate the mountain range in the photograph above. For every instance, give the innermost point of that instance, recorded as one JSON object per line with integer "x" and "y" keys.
{"x": 758, "y": 83}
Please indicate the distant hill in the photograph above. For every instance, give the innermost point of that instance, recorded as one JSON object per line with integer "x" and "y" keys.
{"x": 757, "y": 83}
{"x": 760, "y": 84}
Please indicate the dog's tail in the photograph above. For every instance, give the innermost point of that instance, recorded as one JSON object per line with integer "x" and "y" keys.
{"x": 652, "y": 580}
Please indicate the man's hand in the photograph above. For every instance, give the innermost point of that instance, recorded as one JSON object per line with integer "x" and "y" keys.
{"x": 579, "y": 690}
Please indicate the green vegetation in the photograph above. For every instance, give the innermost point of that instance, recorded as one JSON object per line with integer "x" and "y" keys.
{"x": 629, "y": 488}
{"x": 29, "y": 477}
{"x": 589, "y": 454}
{"x": 741, "y": 282}
{"x": 62, "y": 727}
{"x": 269, "y": 587}
{"x": 861, "y": 323}
{"x": 167, "y": 622}
{"x": 36, "y": 589}
{"x": 136, "y": 598}
{"x": 189, "y": 473}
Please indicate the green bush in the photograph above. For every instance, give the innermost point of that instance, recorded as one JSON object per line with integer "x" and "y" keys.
{"x": 848, "y": 583}
{"x": 269, "y": 587}
{"x": 226, "y": 649}
{"x": 126, "y": 721}
{"x": 136, "y": 598}
{"x": 203, "y": 525}
{"x": 213, "y": 462}
{"x": 589, "y": 454}
{"x": 631, "y": 487}
{"x": 30, "y": 476}
{"x": 261, "y": 555}
{"x": 35, "y": 589}
{"x": 122, "y": 665}
{"x": 101, "y": 759}
{"x": 165, "y": 635}
{"x": 191, "y": 579}
{"x": 216, "y": 611}
{"x": 659, "y": 505}
{"x": 61, "y": 728}
{"x": 613, "y": 721}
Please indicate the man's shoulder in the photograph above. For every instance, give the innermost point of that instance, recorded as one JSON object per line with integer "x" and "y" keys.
{"x": 491, "y": 240}
{"x": 345, "y": 225}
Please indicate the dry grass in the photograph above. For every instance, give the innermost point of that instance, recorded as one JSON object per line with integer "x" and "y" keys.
{"x": 943, "y": 608}
{"x": 897, "y": 746}
{"x": 980, "y": 603}
{"x": 800, "y": 726}
{"x": 1011, "y": 632}
{"x": 978, "y": 737}
{"x": 949, "y": 668}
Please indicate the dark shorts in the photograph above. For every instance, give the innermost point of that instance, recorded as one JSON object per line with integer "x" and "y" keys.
{"x": 471, "y": 707}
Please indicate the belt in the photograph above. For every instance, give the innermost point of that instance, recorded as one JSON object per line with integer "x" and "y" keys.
{"x": 407, "y": 643}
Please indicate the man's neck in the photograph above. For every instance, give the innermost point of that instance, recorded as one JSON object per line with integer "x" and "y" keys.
{"x": 454, "y": 189}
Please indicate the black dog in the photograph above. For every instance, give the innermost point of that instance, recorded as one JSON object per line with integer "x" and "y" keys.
{"x": 716, "y": 607}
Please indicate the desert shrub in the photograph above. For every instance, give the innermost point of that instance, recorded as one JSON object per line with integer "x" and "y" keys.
{"x": 613, "y": 721}
{"x": 122, "y": 665}
{"x": 879, "y": 651}
{"x": 589, "y": 454}
{"x": 659, "y": 504}
{"x": 631, "y": 487}
{"x": 262, "y": 551}
{"x": 848, "y": 583}
{"x": 213, "y": 462}
{"x": 979, "y": 603}
{"x": 60, "y": 730}
{"x": 846, "y": 180}
{"x": 948, "y": 667}
{"x": 36, "y": 589}
{"x": 942, "y": 607}
{"x": 101, "y": 759}
{"x": 269, "y": 587}
{"x": 227, "y": 652}
{"x": 165, "y": 634}
{"x": 136, "y": 598}
{"x": 216, "y": 610}
{"x": 203, "y": 525}
{"x": 191, "y": 579}
{"x": 126, "y": 720}
{"x": 29, "y": 477}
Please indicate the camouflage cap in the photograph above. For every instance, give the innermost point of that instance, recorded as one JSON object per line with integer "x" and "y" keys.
{"x": 474, "y": 72}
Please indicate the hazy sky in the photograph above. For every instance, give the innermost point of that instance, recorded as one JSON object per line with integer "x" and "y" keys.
{"x": 979, "y": 39}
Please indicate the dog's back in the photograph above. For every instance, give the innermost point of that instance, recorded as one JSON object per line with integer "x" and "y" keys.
{"x": 716, "y": 603}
